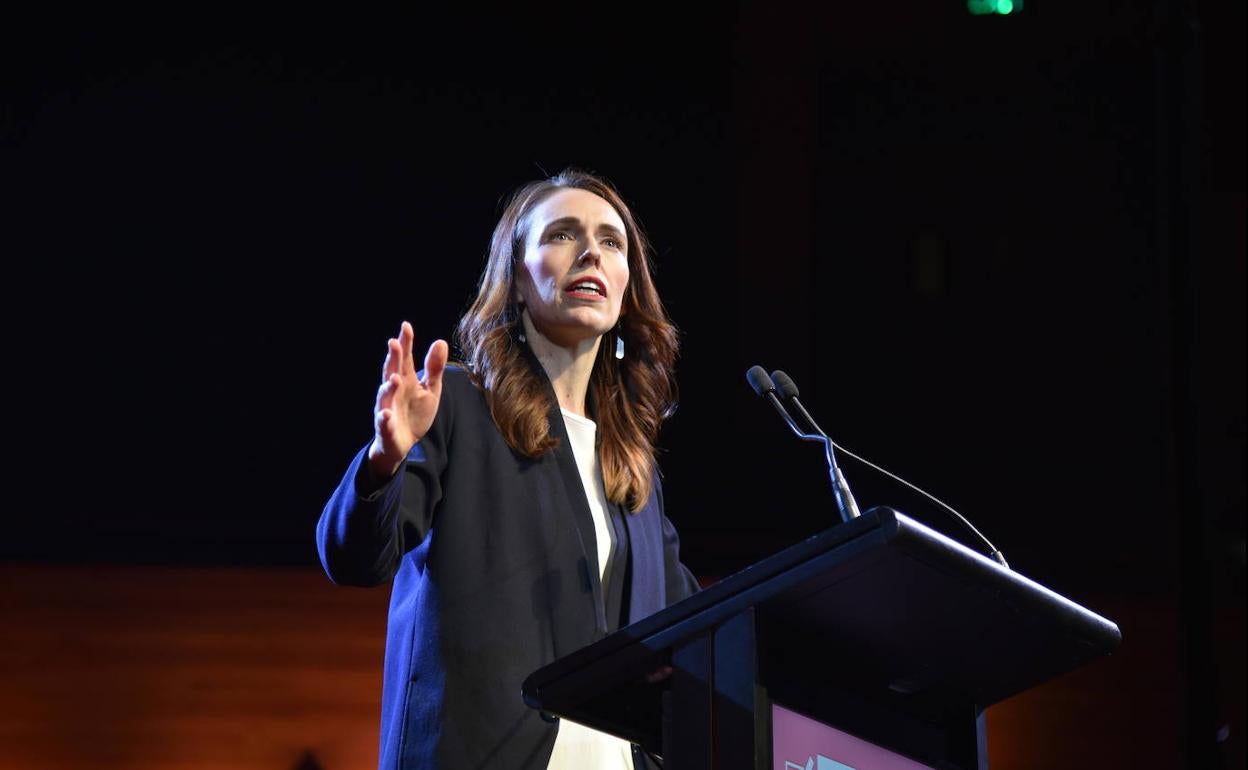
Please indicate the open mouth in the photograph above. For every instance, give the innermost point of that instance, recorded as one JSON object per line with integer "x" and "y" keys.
{"x": 587, "y": 288}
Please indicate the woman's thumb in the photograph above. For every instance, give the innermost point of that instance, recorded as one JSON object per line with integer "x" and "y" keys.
{"x": 435, "y": 363}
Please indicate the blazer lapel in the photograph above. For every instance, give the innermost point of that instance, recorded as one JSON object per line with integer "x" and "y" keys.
{"x": 582, "y": 519}
{"x": 646, "y": 590}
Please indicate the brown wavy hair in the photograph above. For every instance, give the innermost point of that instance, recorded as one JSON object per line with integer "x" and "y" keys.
{"x": 632, "y": 396}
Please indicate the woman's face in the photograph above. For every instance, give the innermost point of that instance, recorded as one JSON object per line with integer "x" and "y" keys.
{"x": 575, "y": 267}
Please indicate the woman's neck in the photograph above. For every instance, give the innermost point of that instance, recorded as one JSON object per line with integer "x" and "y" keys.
{"x": 567, "y": 366}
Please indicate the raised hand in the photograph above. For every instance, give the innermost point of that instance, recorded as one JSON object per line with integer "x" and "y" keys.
{"x": 406, "y": 405}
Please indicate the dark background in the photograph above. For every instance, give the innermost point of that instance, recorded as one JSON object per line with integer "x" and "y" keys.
{"x": 1002, "y": 256}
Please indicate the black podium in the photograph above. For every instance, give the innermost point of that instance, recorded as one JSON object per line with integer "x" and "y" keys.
{"x": 879, "y": 635}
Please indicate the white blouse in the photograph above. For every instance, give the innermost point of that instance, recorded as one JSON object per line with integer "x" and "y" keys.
{"x": 578, "y": 747}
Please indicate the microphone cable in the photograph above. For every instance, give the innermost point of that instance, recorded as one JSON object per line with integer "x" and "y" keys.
{"x": 786, "y": 389}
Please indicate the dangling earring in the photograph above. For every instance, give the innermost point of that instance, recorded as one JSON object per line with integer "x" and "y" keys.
{"x": 520, "y": 324}
{"x": 619, "y": 347}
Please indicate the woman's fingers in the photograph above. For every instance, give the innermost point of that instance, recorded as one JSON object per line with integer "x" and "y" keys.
{"x": 406, "y": 337}
{"x": 386, "y": 391}
{"x": 406, "y": 405}
{"x": 387, "y": 365}
{"x": 659, "y": 674}
{"x": 399, "y": 353}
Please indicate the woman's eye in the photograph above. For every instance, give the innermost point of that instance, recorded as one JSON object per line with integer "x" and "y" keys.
{"x": 561, "y": 236}
{"x": 613, "y": 243}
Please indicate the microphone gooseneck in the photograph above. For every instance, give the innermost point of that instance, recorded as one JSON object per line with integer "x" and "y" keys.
{"x": 765, "y": 386}
{"x": 787, "y": 390}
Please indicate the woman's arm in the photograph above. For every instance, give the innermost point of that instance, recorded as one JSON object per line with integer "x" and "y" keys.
{"x": 364, "y": 530}
{"x": 385, "y": 501}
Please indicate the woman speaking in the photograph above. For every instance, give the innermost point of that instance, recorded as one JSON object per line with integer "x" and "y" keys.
{"x": 514, "y": 499}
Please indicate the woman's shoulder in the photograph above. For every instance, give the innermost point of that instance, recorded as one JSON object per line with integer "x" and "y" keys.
{"x": 460, "y": 386}
{"x": 455, "y": 372}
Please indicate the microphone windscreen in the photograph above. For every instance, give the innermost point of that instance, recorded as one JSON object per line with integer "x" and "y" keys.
{"x": 759, "y": 381}
{"x": 784, "y": 384}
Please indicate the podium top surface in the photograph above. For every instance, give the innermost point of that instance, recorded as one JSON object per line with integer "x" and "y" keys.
{"x": 883, "y": 601}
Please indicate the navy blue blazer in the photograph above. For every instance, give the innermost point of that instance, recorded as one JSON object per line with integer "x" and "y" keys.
{"x": 495, "y": 570}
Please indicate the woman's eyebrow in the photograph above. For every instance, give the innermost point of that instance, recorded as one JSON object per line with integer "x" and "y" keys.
{"x": 612, "y": 230}
{"x": 568, "y": 222}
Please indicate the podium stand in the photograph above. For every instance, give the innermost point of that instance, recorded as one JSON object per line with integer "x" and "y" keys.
{"x": 882, "y": 629}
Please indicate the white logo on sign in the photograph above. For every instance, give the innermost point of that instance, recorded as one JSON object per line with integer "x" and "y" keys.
{"x": 817, "y": 762}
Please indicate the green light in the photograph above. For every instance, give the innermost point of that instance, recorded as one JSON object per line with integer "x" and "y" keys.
{"x": 997, "y": 7}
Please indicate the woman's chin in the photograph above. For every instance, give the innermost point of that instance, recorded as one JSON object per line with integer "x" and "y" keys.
{"x": 575, "y": 330}
{"x": 574, "y": 337}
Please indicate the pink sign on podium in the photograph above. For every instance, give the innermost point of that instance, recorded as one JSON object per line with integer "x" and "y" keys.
{"x": 801, "y": 743}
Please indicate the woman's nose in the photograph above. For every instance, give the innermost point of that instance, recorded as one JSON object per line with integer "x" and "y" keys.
{"x": 590, "y": 254}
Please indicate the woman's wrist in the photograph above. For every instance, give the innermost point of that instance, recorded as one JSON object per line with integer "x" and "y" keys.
{"x": 380, "y": 468}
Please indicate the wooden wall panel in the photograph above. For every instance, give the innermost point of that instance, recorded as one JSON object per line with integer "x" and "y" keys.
{"x": 187, "y": 669}
{"x": 1124, "y": 710}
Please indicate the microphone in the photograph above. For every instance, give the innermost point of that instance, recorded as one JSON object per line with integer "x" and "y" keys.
{"x": 764, "y": 386}
{"x": 787, "y": 390}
